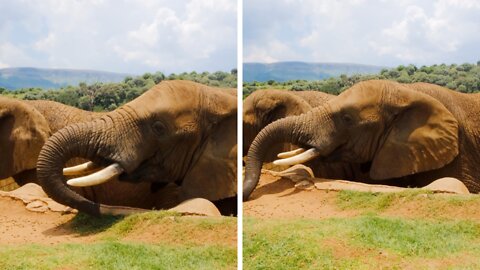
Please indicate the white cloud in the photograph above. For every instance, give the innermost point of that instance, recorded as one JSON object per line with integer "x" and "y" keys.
{"x": 147, "y": 33}
{"x": 419, "y": 37}
{"x": 125, "y": 35}
{"x": 46, "y": 43}
{"x": 371, "y": 31}
{"x": 175, "y": 37}
{"x": 10, "y": 55}
{"x": 271, "y": 51}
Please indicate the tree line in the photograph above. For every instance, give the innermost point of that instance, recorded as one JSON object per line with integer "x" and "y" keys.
{"x": 109, "y": 96}
{"x": 463, "y": 78}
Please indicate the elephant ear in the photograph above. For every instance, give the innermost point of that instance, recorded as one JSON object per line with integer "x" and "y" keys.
{"x": 276, "y": 104}
{"x": 423, "y": 136}
{"x": 23, "y": 131}
{"x": 216, "y": 166}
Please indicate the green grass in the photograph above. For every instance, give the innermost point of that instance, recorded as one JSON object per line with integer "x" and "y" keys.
{"x": 301, "y": 243}
{"x": 425, "y": 203}
{"x": 347, "y": 199}
{"x": 111, "y": 247}
{"x": 117, "y": 255}
{"x": 85, "y": 225}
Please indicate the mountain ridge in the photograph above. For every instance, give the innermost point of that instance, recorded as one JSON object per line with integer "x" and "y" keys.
{"x": 298, "y": 70}
{"x": 49, "y": 78}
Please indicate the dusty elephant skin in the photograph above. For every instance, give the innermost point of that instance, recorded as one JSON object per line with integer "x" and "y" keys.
{"x": 264, "y": 106}
{"x": 25, "y": 126}
{"x": 405, "y": 134}
{"x": 177, "y": 133}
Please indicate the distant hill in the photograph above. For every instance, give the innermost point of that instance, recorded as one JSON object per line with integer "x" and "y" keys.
{"x": 25, "y": 77}
{"x": 285, "y": 71}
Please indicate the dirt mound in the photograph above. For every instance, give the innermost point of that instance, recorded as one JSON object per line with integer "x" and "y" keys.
{"x": 186, "y": 230}
{"x": 35, "y": 199}
{"x": 282, "y": 198}
{"x": 21, "y": 226}
{"x": 278, "y": 197}
{"x": 28, "y": 216}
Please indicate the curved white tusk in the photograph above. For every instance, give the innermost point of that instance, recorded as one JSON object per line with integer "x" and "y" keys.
{"x": 300, "y": 158}
{"x": 97, "y": 178}
{"x": 291, "y": 153}
{"x": 80, "y": 169}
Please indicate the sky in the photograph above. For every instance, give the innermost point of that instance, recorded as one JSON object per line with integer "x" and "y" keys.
{"x": 375, "y": 32}
{"x": 128, "y": 36}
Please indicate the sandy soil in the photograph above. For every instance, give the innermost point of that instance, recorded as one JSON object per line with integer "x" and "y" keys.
{"x": 28, "y": 216}
{"x": 21, "y": 226}
{"x": 277, "y": 197}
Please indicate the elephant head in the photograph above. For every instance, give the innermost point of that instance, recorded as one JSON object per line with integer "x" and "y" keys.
{"x": 263, "y": 107}
{"x": 177, "y": 132}
{"x": 393, "y": 129}
{"x": 22, "y": 130}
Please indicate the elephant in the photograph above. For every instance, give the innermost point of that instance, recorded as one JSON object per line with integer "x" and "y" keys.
{"x": 25, "y": 125}
{"x": 179, "y": 135}
{"x": 267, "y": 105}
{"x": 263, "y": 107}
{"x": 406, "y": 134}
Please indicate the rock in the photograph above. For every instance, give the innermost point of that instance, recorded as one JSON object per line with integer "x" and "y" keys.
{"x": 305, "y": 185}
{"x": 35, "y": 199}
{"x": 295, "y": 173}
{"x": 329, "y": 184}
{"x": 197, "y": 206}
{"x": 37, "y": 206}
{"x": 442, "y": 185}
{"x": 448, "y": 185}
{"x": 29, "y": 190}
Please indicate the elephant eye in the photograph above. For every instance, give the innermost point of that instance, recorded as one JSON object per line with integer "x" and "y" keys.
{"x": 159, "y": 128}
{"x": 347, "y": 118}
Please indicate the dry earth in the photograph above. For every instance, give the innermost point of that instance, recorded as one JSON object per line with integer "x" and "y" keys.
{"x": 28, "y": 216}
{"x": 278, "y": 197}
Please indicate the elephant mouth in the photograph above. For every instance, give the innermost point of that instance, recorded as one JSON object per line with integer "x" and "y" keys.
{"x": 101, "y": 171}
{"x": 91, "y": 173}
{"x": 301, "y": 155}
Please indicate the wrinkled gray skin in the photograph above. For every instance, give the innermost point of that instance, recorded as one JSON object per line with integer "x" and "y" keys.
{"x": 265, "y": 106}
{"x": 178, "y": 133}
{"x": 25, "y": 126}
{"x": 406, "y": 134}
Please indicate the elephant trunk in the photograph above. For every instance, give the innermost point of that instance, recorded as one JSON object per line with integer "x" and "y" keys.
{"x": 284, "y": 130}
{"x": 78, "y": 140}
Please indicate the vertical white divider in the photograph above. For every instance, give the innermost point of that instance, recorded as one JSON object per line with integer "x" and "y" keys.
{"x": 239, "y": 133}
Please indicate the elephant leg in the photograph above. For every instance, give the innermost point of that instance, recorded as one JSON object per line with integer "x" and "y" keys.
{"x": 24, "y": 177}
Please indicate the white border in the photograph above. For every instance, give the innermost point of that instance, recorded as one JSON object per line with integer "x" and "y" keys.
{"x": 239, "y": 133}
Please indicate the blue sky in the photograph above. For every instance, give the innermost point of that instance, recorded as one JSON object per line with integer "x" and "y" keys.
{"x": 133, "y": 36}
{"x": 377, "y": 32}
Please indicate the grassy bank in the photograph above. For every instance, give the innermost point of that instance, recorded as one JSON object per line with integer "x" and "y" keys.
{"x": 407, "y": 230}
{"x": 366, "y": 242}
{"x": 156, "y": 240}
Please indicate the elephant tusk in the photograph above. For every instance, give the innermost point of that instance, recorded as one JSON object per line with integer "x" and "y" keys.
{"x": 80, "y": 169}
{"x": 291, "y": 153}
{"x": 300, "y": 158}
{"x": 97, "y": 178}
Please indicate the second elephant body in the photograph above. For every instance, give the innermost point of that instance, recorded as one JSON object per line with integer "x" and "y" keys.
{"x": 25, "y": 125}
